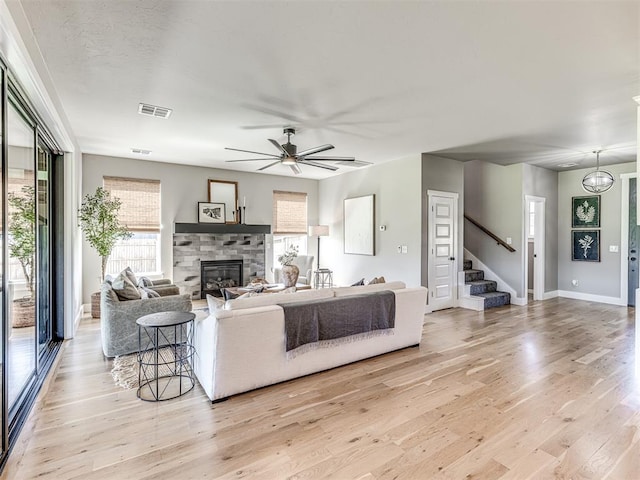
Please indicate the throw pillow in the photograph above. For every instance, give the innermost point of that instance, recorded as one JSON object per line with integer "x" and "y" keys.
{"x": 124, "y": 288}
{"x": 150, "y": 292}
{"x": 358, "y": 283}
{"x": 145, "y": 282}
{"x": 215, "y": 303}
{"x": 228, "y": 295}
{"x": 373, "y": 281}
{"x": 130, "y": 275}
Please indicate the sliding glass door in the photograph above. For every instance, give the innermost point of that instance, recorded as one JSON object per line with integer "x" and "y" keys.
{"x": 21, "y": 246}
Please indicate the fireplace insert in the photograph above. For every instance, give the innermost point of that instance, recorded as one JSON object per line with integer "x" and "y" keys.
{"x": 217, "y": 274}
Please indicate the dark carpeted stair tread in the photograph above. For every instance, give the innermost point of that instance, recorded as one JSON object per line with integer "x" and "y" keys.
{"x": 495, "y": 299}
{"x": 482, "y": 286}
{"x": 473, "y": 275}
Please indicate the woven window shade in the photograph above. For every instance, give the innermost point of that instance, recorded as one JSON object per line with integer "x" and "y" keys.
{"x": 140, "y": 210}
{"x": 289, "y": 213}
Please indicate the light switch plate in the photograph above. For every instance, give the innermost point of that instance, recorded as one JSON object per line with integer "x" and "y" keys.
{"x": 614, "y": 248}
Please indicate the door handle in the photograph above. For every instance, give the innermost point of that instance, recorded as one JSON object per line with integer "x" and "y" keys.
{"x": 452, "y": 258}
{"x": 633, "y": 259}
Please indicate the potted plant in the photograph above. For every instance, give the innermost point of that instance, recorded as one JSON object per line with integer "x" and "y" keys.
{"x": 22, "y": 246}
{"x": 290, "y": 271}
{"x": 98, "y": 219}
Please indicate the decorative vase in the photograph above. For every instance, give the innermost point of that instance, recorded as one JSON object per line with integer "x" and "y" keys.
{"x": 290, "y": 275}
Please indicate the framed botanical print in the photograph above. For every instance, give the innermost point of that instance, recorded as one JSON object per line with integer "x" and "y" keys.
{"x": 585, "y": 245}
{"x": 585, "y": 212}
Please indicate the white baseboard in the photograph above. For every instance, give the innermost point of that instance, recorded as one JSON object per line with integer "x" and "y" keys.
{"x": 551, "y": 294}
{"x": 592, "y": 298}
{"x": 520, "y": 301}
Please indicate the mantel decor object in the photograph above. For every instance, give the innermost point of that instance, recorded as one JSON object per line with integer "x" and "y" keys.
{"x": 209, "y": 212}
{"x": 225, "y": 191}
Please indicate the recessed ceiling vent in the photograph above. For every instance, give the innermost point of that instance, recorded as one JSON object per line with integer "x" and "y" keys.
{"x": 154, "y": 110}
{"x": 140, "y": 151}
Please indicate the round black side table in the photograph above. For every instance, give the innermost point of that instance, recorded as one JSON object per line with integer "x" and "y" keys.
{"x": 165, "y": 353}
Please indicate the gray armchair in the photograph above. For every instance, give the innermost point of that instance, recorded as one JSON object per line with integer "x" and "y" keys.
{"x": 118, "y": 326}
{"x": 304, "y": 264}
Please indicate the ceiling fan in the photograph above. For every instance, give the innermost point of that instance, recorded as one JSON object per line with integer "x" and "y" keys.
{"x": 289, "y": 155}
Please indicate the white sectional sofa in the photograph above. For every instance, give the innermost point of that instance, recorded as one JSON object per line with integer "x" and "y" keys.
{"x": 242, "y": 347}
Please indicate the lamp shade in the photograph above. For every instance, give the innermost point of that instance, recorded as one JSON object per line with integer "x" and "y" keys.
{"x": 597, "y": 182}
{"x": 319, "y": 230}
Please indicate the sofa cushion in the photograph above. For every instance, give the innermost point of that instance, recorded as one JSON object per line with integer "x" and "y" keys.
{"x": 123, "y": 286}
{"x": 215, "y": 303}
{"x": 376, "y": 287}
{"x": 266, "y": 299}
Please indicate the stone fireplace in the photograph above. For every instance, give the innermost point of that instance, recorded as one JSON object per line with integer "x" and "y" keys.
{"x": 217, "y": 274}
{"x": 191, "y": 250}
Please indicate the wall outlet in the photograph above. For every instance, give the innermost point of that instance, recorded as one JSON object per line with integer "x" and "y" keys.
{"x": 404, "y": 249}
{"x": 614, "y": 248}
{"x": 509, "y": 240}
{"x": 574, "y": 283}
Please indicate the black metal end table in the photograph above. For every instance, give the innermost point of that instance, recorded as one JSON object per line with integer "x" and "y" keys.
{"x": 165, "y": 354}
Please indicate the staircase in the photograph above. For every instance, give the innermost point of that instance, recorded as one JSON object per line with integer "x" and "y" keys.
{"x": 485, "y": 289}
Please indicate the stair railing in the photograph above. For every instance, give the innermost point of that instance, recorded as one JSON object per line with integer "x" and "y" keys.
{"x": 490, "y": 233}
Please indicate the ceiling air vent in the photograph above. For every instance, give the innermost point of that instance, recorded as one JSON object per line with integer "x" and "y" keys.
{"x": 140, "y": 151}
{"x": 154, "y": 110}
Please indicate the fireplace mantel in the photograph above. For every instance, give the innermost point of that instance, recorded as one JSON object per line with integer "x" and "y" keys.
{"x": 220, "y": 228}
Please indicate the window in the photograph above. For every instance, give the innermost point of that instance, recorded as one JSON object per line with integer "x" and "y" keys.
{"x": 289, "y": 222}
{"x": 140, "y": 212}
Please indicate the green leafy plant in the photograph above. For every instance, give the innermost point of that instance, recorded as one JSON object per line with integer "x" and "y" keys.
{"x": 287, "y": 257}
{"x": 22, "y": 231}
{"x": 98, "y": 219}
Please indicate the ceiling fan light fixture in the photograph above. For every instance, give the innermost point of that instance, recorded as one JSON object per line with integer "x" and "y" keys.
{"x": 288, "y": 161}
{"x": 598, "y": 181}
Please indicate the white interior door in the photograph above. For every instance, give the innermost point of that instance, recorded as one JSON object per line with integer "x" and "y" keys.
{"x": 442, "y": 277}
{"x": 534, "y": 219}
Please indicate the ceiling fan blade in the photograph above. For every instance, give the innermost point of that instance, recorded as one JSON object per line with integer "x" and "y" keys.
{"x": 319, "y": 149}
{"x": 331, "y": 159}
{"x": 296, "y": 169}
{"x": 249, "y": 151}
{"x": 279, "y": 147}
{"x": 319, "y": 165}
{"x": 270, "y": 165}
{"x": 250, "y": 160}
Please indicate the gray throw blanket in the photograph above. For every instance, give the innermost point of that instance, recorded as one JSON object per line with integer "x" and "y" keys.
{"x": 337, "y": 320}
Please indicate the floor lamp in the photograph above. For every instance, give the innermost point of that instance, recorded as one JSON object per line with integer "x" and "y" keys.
{"x": 319, "y": 231}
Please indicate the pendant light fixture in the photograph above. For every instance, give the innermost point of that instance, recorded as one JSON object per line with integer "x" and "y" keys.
{"x": 598, "y": 181}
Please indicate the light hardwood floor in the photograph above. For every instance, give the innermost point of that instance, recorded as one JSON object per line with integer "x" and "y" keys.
{"x": 543, "y": 391}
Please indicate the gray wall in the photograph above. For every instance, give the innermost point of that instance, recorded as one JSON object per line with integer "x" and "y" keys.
{"x": 398, "y": 205}
{"x": 541, "y": 182}
{"x": 182, "y": 188}
{"x": 494, "y": 198}
{"x": 444, "y": 175}
{"x": 596, "y": 278}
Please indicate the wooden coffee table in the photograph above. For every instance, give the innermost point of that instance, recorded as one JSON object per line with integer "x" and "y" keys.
{"x": 271, "y": 289}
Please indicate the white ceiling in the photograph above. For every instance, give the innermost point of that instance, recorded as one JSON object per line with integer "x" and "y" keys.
{"x": 512, "y": 81}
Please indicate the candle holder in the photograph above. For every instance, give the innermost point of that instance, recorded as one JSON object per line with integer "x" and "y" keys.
{"x": 239, "y": 219}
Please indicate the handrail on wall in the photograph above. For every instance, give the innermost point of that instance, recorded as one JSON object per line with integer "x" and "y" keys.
{"x": 491, "y": 234}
